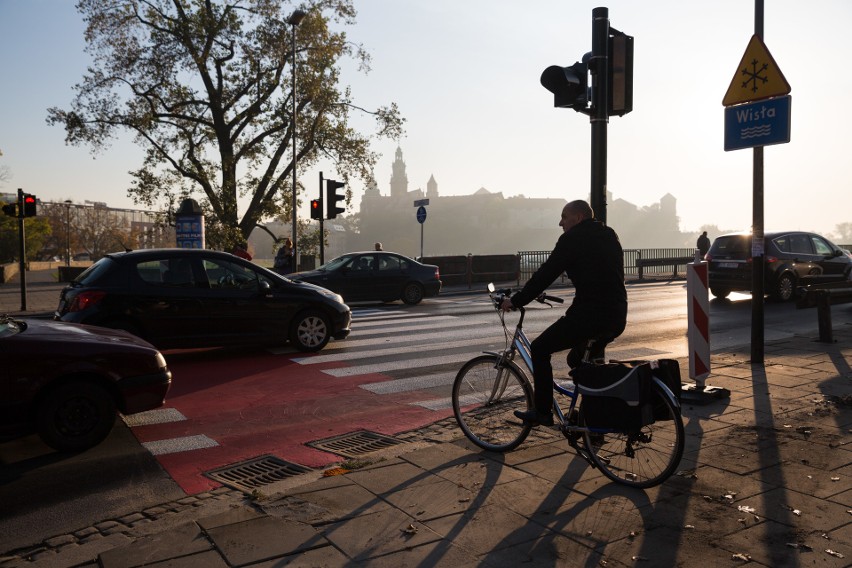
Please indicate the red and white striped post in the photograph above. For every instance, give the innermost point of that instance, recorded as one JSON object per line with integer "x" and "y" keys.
{"x": 698, "y": 335}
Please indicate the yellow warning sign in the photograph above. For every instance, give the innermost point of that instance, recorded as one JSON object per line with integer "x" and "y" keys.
{"x": 758, "y": 76}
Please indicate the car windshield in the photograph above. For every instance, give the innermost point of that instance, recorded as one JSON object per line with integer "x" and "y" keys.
{"x": 733, "y": 245}
{"x": 336, "y": 263}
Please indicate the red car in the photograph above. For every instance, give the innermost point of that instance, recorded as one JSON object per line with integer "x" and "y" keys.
{"x": 66, "y": 381}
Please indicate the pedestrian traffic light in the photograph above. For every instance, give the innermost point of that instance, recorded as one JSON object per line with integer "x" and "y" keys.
{"x": 620, "y": 74}
{"x": 316, "y": 208}
{"x": 332, "y": 198}
{"x": 29, "y": 205}
{"x": 11, "y": 209}
{"x": 569, "y": 85}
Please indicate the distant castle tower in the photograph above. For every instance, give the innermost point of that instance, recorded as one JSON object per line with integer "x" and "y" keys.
{"x": 431, "y": 187}
{"x": 399, "y": 179}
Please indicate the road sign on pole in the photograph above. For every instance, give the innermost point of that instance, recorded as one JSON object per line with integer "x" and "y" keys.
{"x": 760, "y": 123}
{"x": 757, "y": 77}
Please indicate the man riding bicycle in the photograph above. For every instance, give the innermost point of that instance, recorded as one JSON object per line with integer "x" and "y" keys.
{"x": 590, "y": 254}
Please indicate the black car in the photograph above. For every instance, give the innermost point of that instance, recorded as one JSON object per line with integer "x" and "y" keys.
{"x": 376, "y": 276}
{"x": 184, "y": 298}
{"x": 792, "y": 258}
{"x": 65, "y": 381}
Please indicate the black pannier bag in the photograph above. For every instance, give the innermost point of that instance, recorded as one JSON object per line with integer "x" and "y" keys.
{"x": 615, "y": 396}
{"x": 668, "y": 371}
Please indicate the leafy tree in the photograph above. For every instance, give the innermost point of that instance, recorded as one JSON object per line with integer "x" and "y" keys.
{"x": 205, "y": 87}
{"x": 36, "y": 230}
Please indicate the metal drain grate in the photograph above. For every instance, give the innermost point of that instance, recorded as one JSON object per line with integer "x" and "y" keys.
{"x": 257, "y": 472}
{"x": 355, "y": 444}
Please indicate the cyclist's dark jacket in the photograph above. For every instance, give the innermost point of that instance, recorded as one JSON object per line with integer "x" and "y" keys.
{"x": 591, "y": 255}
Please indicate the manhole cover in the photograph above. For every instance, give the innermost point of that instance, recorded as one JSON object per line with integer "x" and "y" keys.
{"x": 257, "y": 472}
{"x": 355, "y": 444}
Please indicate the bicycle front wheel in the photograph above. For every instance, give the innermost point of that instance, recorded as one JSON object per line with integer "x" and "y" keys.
{"x": 485, "y": 395}
{"x": 641, "y": 458}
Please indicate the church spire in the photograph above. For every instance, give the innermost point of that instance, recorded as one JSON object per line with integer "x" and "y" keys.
{"x": 399, "y": 179}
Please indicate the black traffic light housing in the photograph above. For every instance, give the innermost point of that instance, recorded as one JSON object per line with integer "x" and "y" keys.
{"x": 11, "y": 209}
{"x": 29, "y": 205}
{"x": 332, "y": 198}
{"x": 569, "y": 85}
{"x": 316, "y": 208}
{"x": 620, "y": 73}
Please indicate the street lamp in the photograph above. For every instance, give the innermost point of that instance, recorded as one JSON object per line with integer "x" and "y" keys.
{"x": 294, "y": 20}
{"x": 67, "y": 232}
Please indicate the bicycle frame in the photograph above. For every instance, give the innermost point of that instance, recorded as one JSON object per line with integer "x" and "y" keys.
{"x": 520, "y": 344}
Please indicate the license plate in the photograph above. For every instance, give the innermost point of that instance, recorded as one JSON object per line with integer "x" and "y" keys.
{"x": 728, "y": 265}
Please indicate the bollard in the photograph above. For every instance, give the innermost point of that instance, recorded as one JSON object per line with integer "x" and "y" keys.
{"x": 823, "y": 299}
{"x": 698, "y": 336}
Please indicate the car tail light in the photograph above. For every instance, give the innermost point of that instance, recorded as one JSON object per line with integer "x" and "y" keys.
{"x": 708, "y": 257}
{"x": 86, "y": 299}
{"x": 771, "y": 259}
{"x": 437, "y": 274}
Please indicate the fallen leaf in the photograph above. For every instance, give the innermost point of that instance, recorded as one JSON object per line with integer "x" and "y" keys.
{"x": 741, "y": 556}
{"x": 834, "y": 553}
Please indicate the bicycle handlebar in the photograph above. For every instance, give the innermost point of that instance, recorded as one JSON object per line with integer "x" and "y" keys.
{"x": 499, "y": 295}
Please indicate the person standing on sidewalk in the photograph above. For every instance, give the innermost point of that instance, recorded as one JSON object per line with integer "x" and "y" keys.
{"x": 590, "y": 254}
{"x": 703, "y": 244}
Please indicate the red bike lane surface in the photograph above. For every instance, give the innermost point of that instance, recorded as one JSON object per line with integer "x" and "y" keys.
{"x": 256, "y": 403}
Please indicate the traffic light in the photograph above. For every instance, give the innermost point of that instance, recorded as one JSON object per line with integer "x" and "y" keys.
{"x": 316, "y": 209}
{"x": 620, "y": 74}
{"x": 29, "y": 205}
{"x": 11, "y": 209}
{"x": 569, "y": 85}
{"x": 332, "y": 198}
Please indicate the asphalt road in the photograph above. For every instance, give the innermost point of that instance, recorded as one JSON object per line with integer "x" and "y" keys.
{"x": 391, "y": 375}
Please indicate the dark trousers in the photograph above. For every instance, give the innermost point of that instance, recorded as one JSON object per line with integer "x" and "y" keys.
{"x": 572, "y": 330}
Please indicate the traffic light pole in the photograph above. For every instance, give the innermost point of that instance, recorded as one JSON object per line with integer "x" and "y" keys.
{"x": 22, "y": 262}
{"x": 598, "y": 65}
{"x": 321, "y": 231}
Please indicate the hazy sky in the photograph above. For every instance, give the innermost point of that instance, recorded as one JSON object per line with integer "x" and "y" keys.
{"x": 465, "y": 74}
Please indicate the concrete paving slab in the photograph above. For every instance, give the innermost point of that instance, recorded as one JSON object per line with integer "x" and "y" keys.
{"x": 480, "y": 473}
{"x": 484, "y": 530}
{"x": 391, "y": 478}
{"x": 75, "y": 555}
{"x": 378, "y": 534}
{"x": 264, "y": 538}
{"x": 327, "y": 505}
{"x": 229, "y": 517}
{"x": 426, "y": 502}
{"x": 549, "y": 550}
{"x": 768, "y": 545}
{"x": 209, "y": 559}
{"x": 182, "y": 540}
{"x": 325, "y": 557}
{"x": 440, "y": 553}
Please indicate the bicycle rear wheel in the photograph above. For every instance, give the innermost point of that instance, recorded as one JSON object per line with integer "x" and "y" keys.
{"x": 484, "y": 398}
{"x": 642, "y": 458}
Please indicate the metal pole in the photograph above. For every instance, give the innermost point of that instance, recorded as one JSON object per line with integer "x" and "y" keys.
{"x": 757, "y": 244}
{"x": 294, "y": 20}
{"x": 599, "y": 117}
{"x": 68, "y": 233}
{"x": 22, "y": 254}
{"x": 295, "y": 203}
{"x": 321, "y": 232}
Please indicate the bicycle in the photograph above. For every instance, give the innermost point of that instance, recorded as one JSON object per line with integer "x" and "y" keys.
{"x": 489, "y": 387}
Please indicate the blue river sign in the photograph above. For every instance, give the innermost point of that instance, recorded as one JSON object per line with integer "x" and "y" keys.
{"x": 761, "y": 123}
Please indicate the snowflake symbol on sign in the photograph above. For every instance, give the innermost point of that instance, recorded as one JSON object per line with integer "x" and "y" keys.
{"x": 754, "y": 75}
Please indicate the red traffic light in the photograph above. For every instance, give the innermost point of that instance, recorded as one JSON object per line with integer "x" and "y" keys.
{"x": 316, "y": 209}
{"x": 29, "y": 205}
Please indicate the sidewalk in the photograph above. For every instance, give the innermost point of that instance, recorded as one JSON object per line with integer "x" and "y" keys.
{"x": 766, "y": 480}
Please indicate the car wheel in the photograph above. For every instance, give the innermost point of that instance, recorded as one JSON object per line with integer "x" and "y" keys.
{"x": 310, "y": 331}
{"x": 75, "y": 416}
{"x": 785, "y": 289}
{"x": 720, "y": 292}
{"x": 412, "y": 293}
